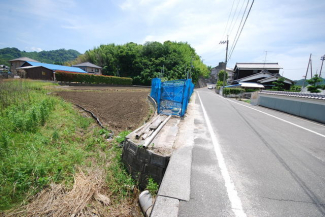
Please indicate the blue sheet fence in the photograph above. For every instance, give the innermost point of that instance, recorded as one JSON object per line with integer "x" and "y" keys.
{"x": 172, "y": 96}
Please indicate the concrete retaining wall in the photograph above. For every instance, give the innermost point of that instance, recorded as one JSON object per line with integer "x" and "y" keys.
{"x": 143, "y": 164}
{"x": 313, "y": 109}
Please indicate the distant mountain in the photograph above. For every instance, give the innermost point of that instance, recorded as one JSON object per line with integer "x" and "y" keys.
{"x": 301, "y": 82}
{"x": 53, "y": 56}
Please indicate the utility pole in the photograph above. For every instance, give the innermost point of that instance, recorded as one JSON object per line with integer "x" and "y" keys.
{"x": 311, "y": 69}
{"x": 224, "y": 75}
{"x": 306, "y": 72}
{"x": 322, "y": 59}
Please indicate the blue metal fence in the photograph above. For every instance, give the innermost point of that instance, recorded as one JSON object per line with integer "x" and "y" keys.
{"x": 171, "y": 96}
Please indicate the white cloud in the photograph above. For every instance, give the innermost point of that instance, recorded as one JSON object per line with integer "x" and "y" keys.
{"x": 289, "y": 30}
{"x": 37, "y": 49}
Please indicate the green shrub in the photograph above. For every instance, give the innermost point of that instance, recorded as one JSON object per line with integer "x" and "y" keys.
{"x": 91, "y": 79}
{"x": 322, "y": 86}
{"x": 228, "y": 91}
{"x": 295, "y": 88}
{"x": 248, "y": 90}
{"x": 152, "y": 186}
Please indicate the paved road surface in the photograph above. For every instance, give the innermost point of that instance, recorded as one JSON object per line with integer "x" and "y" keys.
{"x": 254, "y": 163}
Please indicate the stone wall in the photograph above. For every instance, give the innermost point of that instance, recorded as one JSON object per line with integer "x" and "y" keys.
{"x": 143, "y": 164}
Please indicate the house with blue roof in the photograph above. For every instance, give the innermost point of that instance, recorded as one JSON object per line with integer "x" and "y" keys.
{"x": 44, "y": 71}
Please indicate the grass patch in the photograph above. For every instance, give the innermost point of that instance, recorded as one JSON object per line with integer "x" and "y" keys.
{"x": 247, "y": 100}
{"x": 44, "y": 140}
{"x": 152, "y": 187}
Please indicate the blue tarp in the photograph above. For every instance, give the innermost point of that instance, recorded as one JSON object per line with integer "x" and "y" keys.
{"x": 57, "y": 67}
{"x": 171, "y": 96}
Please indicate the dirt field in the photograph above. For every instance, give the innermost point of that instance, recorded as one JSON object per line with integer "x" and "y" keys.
{"x": 118, "y": 108}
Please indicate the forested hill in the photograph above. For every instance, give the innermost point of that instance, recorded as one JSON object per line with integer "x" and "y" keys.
{"x": 169, "y": 60}
{"x": 301, "y": 82}
{"x": 53, "y": 56}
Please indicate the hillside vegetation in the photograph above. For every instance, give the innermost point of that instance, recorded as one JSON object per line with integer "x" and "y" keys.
{"x": 53, "y": 56}
{"x": 144, "y": 62}
{"x": 301, "y": 82}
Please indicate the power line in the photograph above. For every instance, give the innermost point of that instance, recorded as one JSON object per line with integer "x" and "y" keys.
{"x": 242, "y": 28}
{"x": 241, "y": 9}
{"x": 239, "y": 26}
{"x": 228, "y": 18}
{"x": 230, "y": 27}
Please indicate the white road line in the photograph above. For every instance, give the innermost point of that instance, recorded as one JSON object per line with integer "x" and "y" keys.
{"x": 296, "y": 125}
{"x": 235, "y": 201}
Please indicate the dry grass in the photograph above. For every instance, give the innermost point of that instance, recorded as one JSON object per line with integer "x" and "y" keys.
{"x": 57, "y": 201}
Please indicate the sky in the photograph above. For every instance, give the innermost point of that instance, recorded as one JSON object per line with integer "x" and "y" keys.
{"x": 282, "y": 31}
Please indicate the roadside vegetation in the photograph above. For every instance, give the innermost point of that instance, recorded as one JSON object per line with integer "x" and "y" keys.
{"x": 51, "y": 153}
{"x": 168, "y": 60}
{"x": 315, "y": 84}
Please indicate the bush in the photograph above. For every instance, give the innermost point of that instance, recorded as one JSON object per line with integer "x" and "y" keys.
{"x": 228, "y": 91}
{"x": 91, "y": 79}
{"x": 322, "y": 86}
{"x": 251, "y": 90}
{"x": 295, "y": 88}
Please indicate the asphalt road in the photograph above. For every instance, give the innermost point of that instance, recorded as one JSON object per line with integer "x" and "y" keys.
{"x": 251, "y": 163}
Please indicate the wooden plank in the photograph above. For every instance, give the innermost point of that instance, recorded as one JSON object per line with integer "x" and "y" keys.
{"x": 140, "y": 132}
{"x": 156, "y": 123}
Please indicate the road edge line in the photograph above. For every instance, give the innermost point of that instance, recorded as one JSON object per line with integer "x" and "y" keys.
{"x": 236, "y": 204}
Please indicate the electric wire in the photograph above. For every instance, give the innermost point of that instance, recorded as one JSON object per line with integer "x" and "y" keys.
{"x": 235, "y": 11}
{"x": 228, "y": 19}
{"x": 241, "y": 30}
{"x": 241, "y": 21}
{"x": 241, "y": 9}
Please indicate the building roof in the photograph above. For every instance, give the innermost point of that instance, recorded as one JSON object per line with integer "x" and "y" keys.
{"x": 56, "y": 67}
{"x": 254, "y": 66}
{"x": 274, "y": 78}
{"x": 246, "y": 84}
{"x": 262, "y": 75}
{"x": 26, "y": 59}
{"x": 87, "y": 64}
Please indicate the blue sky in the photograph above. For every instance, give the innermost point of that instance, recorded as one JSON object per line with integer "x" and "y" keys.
{"x": 289, "y": 30}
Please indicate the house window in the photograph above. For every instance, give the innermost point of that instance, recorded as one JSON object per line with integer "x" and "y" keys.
{"x": 96, "y": 70}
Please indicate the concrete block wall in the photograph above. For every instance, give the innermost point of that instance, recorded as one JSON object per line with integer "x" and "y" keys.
{"x": 143, "y": 164}
{"x": 313, "y": 109}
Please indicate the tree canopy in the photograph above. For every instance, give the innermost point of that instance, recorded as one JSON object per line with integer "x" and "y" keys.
{"x": 279, "y": 84}
{"x": 222, "y": 74}
{"x": 314, "y": 84}
{"x": 170, "y": 60}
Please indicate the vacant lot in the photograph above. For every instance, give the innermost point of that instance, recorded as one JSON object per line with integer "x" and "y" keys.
{"x": 57, "y": 162}
{"x": 118, "y": 108}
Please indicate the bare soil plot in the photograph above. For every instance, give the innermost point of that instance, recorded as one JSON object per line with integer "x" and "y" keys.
{"x": 118, "y": 108}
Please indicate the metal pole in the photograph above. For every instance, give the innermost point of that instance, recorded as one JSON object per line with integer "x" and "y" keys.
{"x": 311, "y": 69}
{"x": 322, "y": 59}
{"x": 306, "y": 72}
{"x": 224, "y": 75}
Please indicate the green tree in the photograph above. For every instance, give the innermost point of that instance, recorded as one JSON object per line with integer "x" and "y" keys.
{"x": 313, "y": 88}
{"x": 144, "y": 62}
{"x": 221, "y": 75}
{"x": 295, "y": 88}
{"x": 278, "y": 85}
